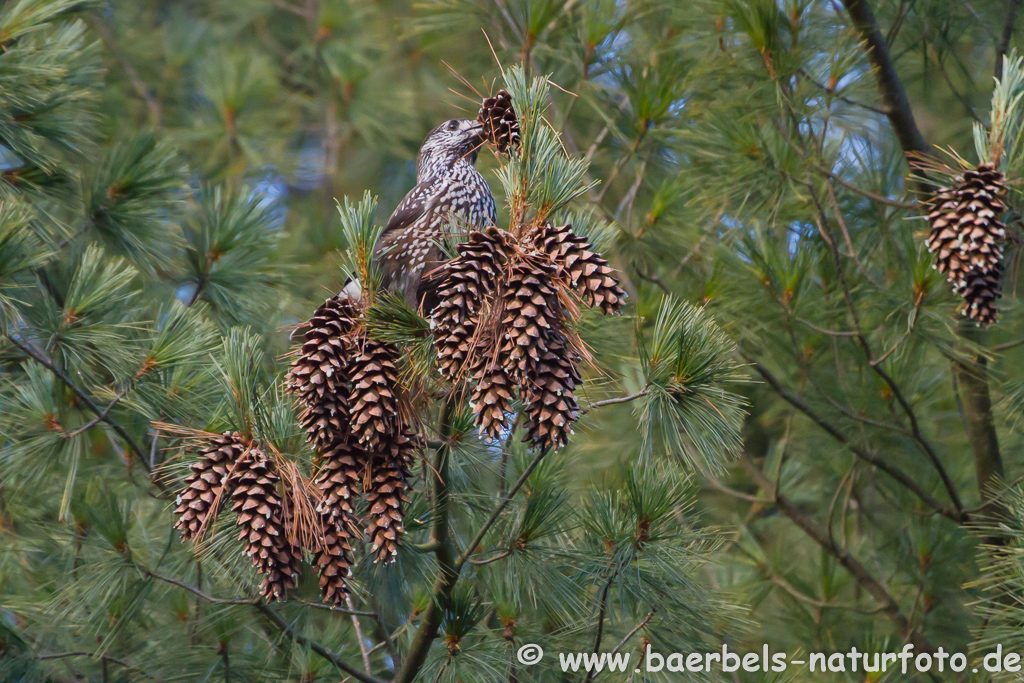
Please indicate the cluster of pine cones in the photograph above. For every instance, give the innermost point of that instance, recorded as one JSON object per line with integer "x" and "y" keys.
{"x": 351, "y": 407}
{"x": 231, "y": 468}
{"x": 501, "y": 325}
{"x": 502, "y": 328}
{"x": 967, "y": 239}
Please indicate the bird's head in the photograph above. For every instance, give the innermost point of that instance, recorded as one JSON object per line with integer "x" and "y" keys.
{"x": 451, "y": 141}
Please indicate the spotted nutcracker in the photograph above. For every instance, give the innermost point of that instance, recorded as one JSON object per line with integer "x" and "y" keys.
{"x": 449, "y": 190}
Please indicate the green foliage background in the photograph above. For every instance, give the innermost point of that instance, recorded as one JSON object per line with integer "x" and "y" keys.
{"x": 811, "y": 450}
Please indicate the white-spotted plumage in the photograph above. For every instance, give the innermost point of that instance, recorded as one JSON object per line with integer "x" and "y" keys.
{"x": 449, "y": 190}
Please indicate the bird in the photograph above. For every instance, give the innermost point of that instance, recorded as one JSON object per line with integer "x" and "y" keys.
{"x": 449, "y": 190}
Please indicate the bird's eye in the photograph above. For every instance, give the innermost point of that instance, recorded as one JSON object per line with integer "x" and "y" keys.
{"x": 453, "y": 125}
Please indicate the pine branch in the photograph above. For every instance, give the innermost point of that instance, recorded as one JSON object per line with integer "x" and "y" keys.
{"x": 278, "y": 621}
{"x": 449, "y": 568}
{"x": 37, "y": 356}
{"x": 894, "y": 98}
{"x": 316, "y": 647}
{"x": 448, "y": 574}
{"x": 876, "y": 365}
{"x": 859, "y": 572}
{"x": 981, "y": 431}
{"x": 94, "y": 655}
{"x": 471, "y": 548}
{"x": 901, "y": 477}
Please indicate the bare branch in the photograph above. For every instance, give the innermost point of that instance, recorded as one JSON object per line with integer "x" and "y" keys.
{"x": 634, "y": 630}
{"x": 141, "y": 89}
{"x": 93, "y": 655}
{"x": 615, "y": 401}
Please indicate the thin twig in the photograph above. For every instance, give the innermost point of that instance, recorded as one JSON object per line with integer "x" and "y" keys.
{"x": 625, "y": 639}
{"x": 853, "y": 187}
{"x": 500, "y": 556}
{"x": 498, "y": 510}
{"x": 834, "y": 93}
{"x": 1004, "y": 43}
{"x": 359, "y": 636}
{"x": 141, "y": 88}
{"x": 615, "y": 401}
{"x": 101, "y": 417}
{"x": 196, "y": 591}
{"x": 602, "y": 608}
{"x": 244, "y": 601}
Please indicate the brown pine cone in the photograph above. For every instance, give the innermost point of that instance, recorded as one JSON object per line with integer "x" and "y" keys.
{"x": 498, "y": 118}
{"x": 967, "y": 239}
{"x": 333, "y": 560}
{"x": 264, "y": 526}
{"x": 584, "y": 269}
{"x": 491, "y": 401}
{"x": 319, "y": 374}
{"x": 550, "y": 403}
{"x": 386, "y": 495}
{"x": 981, "y": 292}
{"x": 204, "y": 486}
{"x": 339, "y": 479}
{"x": 531, "y": 310}
{"x": 469, "y": 278}
{"x": 375, "y": 390}
{"x": 966, "y": 231}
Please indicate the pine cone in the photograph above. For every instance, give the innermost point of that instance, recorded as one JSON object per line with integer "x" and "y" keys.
{"x": 261, "y": 518}
{"x": 319, "y": 374}
{"x": 966, "y": 230}
{"x": 205, "y": 485}
{"x": 531, "y": 310}
{"x": 333, "y": 560}
{"x": 375, "y": 390}
{"x": 550, "y": 403}
{"x": 580, "y": 265}
{"x": 967, "y": 238}
{"x": 491, "y": 401}
{"x": 498, "y": 118}
{"x": 469, "y": 278}
{"x": 386, "y": 494}
{"x": 339, "y": 479}
{"x": 980, "y": 292}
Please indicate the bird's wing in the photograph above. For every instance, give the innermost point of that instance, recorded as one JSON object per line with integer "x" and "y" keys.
{"x": 415, "y": 203}
{"x": 389, "y": 250}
